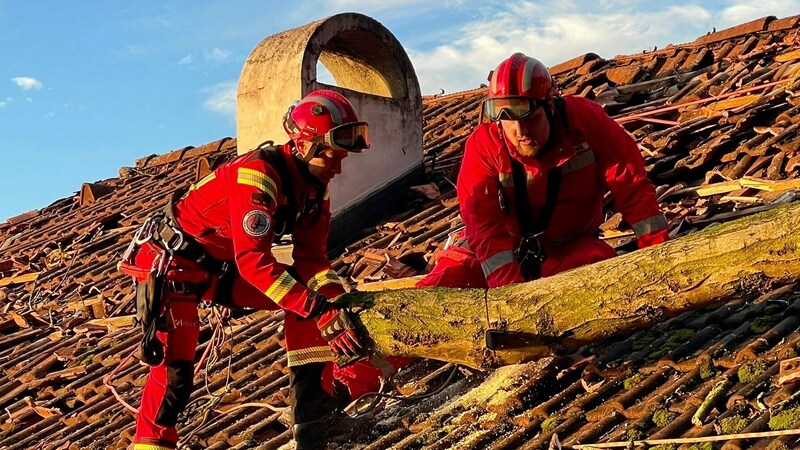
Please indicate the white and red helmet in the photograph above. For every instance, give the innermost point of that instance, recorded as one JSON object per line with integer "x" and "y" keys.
{"x": 518, "y": 86}
{"x": 326, "y": 118}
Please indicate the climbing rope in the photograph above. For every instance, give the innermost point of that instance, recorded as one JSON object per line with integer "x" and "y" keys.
{"x": 217, "y": 339}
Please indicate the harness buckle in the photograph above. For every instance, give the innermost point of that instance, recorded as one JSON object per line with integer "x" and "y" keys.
{"x": 177, "y": 237}
{"x": 530, "y": 254}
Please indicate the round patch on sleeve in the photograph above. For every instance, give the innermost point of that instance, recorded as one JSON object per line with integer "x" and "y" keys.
{"x": 256, "y": 223}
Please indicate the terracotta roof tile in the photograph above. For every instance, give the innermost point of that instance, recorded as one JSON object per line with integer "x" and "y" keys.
{"x": 573, "y": 63}
{"x": 736, "y": 31}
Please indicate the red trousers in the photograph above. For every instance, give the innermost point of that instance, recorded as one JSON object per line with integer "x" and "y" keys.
{"x": 169, "y": 385}
{"x": 458, "y": 266}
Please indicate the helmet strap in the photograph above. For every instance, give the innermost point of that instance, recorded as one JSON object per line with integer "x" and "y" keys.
{"x": 550, "y": 112}
{"x": 310, "y": 154}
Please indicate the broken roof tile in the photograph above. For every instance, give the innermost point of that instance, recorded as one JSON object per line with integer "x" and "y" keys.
{"x": 573, "y": 63}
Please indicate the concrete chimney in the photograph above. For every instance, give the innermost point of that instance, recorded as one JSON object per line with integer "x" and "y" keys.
{"x": 373, "y": 71}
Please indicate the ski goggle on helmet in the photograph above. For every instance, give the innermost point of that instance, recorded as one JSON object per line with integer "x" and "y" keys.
{"x": 510, "y": 108}
{"x": 518, "y": 86}
{"x": 326, "y": 118}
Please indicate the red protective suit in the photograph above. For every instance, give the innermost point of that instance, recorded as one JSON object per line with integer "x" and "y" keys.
{"x": 595, "y": 155}
{"x": 233, "y": 214}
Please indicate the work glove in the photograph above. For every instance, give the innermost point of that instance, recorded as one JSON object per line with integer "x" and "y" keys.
{"x": 337, "y": 327}
{"x": 336, "y": 324}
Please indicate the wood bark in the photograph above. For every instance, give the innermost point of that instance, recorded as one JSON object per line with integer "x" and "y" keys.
{"x": 745, "y": 257}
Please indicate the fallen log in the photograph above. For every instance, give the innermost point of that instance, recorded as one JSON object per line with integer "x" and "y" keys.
{"x": 559, "y": 314}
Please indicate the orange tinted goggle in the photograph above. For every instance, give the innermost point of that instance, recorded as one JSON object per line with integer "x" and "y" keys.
{"x": 509, "y": 108}
{"x": 351, "y": 137}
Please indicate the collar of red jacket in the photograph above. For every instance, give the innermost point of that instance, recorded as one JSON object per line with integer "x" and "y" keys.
{"x": 299, "y": 167}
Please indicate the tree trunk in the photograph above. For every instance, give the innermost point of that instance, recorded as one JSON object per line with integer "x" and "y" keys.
{"x": 746, "y": 257}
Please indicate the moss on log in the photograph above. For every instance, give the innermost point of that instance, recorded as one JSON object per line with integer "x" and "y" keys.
{"x": 744, "y": 257}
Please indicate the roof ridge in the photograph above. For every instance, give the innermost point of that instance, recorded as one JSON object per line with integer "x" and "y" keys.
{"x": 189, "y": 151}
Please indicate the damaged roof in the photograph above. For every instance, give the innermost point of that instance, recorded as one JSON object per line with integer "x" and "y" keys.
{"x": 717, "y": 123}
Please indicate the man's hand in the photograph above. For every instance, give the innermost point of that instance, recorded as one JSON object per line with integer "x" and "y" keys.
{"x": 338, "y": 329}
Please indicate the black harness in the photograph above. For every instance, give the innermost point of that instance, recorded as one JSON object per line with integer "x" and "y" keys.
{"x": 530, "y": 253}
{"x": 152, "y": 309}
{"x": 286, "y": 214}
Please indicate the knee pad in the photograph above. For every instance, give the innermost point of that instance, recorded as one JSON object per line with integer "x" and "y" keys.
{"x": 180, "y": 377}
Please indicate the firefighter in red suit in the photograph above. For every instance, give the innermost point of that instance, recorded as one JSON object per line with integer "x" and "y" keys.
{"x": 221, "y": 231}
{"x": 568, "y": 153}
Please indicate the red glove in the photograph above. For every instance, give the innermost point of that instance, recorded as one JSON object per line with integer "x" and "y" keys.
{"x": 338, "y": 329}
{"x": 656, "y": 237}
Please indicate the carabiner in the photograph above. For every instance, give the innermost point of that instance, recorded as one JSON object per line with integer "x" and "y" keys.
{"x": 150, "y": 226}
{"x": 161, "y": 262}
{"x": 177, "y": 244}
{"x": 137, "y": 238}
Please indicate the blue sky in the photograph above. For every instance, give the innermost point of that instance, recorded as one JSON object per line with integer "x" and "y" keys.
{"x": 89, "y": 86}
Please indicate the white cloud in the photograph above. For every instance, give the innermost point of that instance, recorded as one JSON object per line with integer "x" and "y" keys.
{"x": 4, "y": 103}
{"x": 222, "y": 98}
{"x": 744, "y": 11}
{"x": 185, "y": 60}
{"x": 27, "y": 83}
{"x": 217, "y": 55}
{"x": 552, "y": 33}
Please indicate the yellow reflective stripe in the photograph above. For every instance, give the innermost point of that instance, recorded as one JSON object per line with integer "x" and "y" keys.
{"x": 259, "y": 180}
{"x": 506, "y": 179}
{"x": 206, "y": 179}
{"x": 323, "y": 278}
{"x": 327, "y": 195}
{"x": 309, "y": 355}
{"x": 151, "y": 447}
{"x": 280, "y": 287}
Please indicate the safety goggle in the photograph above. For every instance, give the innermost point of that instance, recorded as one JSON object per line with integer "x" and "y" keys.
{"x": 509, "y": 108}
{"x": 351, "y": 137}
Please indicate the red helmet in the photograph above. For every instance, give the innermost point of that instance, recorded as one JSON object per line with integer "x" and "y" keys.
{"x": 326, "y": 118}
{"x": 517, "y": 87}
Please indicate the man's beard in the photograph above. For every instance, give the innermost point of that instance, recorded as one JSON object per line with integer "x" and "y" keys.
{"x": 529, "y": 150}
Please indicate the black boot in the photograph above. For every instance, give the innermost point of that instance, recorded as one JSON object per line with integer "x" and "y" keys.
{"x": 316, "y": 415}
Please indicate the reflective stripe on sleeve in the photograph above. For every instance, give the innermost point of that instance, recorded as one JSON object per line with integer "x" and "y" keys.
{"x": 281, "y": 287}
{"x": 323, "y": 278}
{"x": 151, "y": 447}
{"x": 308, "y": 356}
{"x": 259, "y": 180}
{"x": 579, "y": 161}
{"x": 205, "y": 180}
{"x": 496, "y": 261}
{"x": 649, "y": 225}
{"x": 506, "y": 179}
